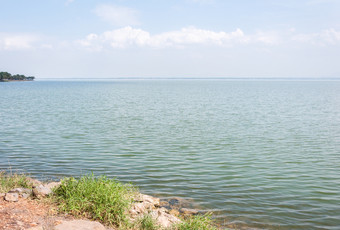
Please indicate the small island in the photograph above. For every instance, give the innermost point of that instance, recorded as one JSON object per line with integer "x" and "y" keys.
{"x": 5, "y": 77}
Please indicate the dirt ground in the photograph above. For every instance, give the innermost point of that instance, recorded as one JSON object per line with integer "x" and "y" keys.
{"x": 27, "y": 213}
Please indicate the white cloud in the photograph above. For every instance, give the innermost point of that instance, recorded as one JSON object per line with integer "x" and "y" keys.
{"x": 329, "y": 36}
{"x": 192, "y": 35}
{"x": 267, "y": 37}
{"x": 129, "y": 36}
{"x": 117, "y": 15}
{"x": 17, "y": 41}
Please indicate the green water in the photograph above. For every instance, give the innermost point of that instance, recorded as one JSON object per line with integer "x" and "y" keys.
{"x": 259, "y": 153}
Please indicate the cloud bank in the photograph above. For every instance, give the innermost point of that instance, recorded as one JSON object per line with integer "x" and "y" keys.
{"x": 130, "y": 37}
{"x": 17, "y": 41}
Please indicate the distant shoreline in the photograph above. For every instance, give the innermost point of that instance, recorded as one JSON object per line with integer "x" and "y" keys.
{"x": 14, "y": 80}
{"x": 188, "y": 79}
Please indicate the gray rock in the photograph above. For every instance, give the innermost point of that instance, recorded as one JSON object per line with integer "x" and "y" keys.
{"x": 34, "y": 182}
{"x": 148, "y": 199}
{"x": 163, "y": 218}
{"x": 23, "y": 192}
{"x": 53, "y": 185}
{"x": 12, "y": 197}
{"x": 20, "y": 190}
{"x": 79, "y": 225}
{"x": 41, "y": 191}
{"x": 143, "y": 204}
{"x": 25, "y": 195}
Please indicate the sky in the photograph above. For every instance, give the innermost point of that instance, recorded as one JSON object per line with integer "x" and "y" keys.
{"x": 170, "y": 38}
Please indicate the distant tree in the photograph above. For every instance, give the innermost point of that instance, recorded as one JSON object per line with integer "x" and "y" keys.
{"x": 5, "y": 76}
{"x": 19, "y": 77}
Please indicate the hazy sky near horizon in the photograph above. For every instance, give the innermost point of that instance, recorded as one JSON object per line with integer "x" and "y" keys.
{"x": 170, "y": 38}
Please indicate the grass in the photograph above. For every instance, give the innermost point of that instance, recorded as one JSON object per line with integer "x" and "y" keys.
{"x": 11, "y": 181}
{"x": 146, "y": 223}
{"x": 103, "y": 199}
{"x": 198, "y": 222}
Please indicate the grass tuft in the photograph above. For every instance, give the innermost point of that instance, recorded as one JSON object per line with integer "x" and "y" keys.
{"x": 103, "y": 199}
{"x": 147, "y": 223}
{"x": 198, "y": 222}
{"x": 11, "y": 181}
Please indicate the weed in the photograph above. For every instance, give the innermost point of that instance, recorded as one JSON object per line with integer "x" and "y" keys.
{"x": 10, "y": 181}
{"x": 147, "y": 223}
{"x": 198, "y": 222}
{"x": 103, "y": 199}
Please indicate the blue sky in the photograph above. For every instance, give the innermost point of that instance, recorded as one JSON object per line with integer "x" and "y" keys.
{"x": 170, "y": 38}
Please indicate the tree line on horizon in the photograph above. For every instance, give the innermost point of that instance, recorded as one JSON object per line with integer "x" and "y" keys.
{"x": 5, "y": 76}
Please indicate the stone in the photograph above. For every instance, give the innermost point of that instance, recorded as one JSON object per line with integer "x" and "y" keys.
{"x": 163, "y": 218}
{"x": 34, "y": 182}
{"x": 142, "y": 204}
{"x": 148, "y": 199}
{"x": 12, "y": 197}
{"x": 2, "y": 195}
{"x": 41, "y": 191}
{"x": 188, "y": 211}
{"x": 79, "y": 225}
{"x": 164, "y": 203}
{"x": 137, "y": 208}
{"x": 23, "y": 192}
{"x": 20, "y": 190}
{"x": 176, "y": 202}
{"x": 174, "y": 212}
{"x": 25, "y": 195}
{"x": 53, "y": 185}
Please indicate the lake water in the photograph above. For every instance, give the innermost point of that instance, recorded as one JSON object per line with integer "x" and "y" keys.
{"x": 259, "y": 153}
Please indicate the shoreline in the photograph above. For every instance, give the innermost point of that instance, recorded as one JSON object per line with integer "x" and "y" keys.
{"x": 13, "y": 80}
{"x": 166, "y": 214}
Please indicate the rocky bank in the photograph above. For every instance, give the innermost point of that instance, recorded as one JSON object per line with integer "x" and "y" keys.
{"x": 24, "y": 208}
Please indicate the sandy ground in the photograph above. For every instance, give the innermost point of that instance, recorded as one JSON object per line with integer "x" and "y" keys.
{"x": 27, "y": 213}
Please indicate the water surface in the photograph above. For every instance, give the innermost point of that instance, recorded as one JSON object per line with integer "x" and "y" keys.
{"x": 263, "y": 154}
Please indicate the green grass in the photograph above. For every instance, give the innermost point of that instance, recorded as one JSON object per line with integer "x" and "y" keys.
{"x": 11, "y": 181}
{"x": 103, "y": 199}
{"x": 146, "y": 223}
{"x": 198, "y": 222}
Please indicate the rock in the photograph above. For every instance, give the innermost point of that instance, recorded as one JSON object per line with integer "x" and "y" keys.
{"x": 174, "y": 212}
{"x": 137, "y": 208}
{"x": 163, "y": 218}
{"x": 20, "y": 190}
{"x": 143, "y": 204}
{"x": 164, "y": 203}
{"x": 23, "y": 192}
{"x": 2, "y": 195}
{"x": 177, "y": 202}
{"x": 12, "y": 197}
{"x": 79, "y": 225}
{"x": 34, "y": 182}
{"x": 188, "y": 211}
{"x": 41, "y": 191}
{"x": 25, "y": 195}
{"x": 53, "y": 185}
{"x": 148, "y": 199}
